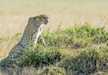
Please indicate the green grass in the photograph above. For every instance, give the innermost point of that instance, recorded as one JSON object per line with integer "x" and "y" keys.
{"x": 79, "y": 50}
{"x": 77, "y": 37}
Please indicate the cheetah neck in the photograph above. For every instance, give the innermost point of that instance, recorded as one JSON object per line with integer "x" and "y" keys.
{"x": 30, "y": 38}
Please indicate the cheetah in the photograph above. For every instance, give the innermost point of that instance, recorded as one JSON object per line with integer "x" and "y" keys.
{"x": 30, "y": 36}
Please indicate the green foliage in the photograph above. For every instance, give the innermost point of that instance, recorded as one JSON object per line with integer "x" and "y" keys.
{"x": 76, "y": 37}
{"x": 103, "y": 58}
{"x": 79, "y": 50}
{"x": 40, "y": 58}
{"x": 87, "y": 62}
{"x": 52, "y": 70}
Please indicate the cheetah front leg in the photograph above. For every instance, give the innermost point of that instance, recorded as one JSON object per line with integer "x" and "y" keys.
{"x": 43, "y": 40}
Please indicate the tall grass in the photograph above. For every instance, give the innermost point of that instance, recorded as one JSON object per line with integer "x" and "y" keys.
{"x": 81, "y": 50}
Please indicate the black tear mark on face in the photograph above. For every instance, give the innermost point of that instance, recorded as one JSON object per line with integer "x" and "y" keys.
{"x": 45, "y": 18}
{"x": 46, "y": 21}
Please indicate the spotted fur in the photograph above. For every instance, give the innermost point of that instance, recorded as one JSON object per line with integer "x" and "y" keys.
{"x": 30, "y": 37}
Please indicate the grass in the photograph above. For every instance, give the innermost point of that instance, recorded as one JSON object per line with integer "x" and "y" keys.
{"x": 81, "y": 50}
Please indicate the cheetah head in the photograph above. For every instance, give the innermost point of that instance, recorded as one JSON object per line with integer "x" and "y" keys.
{"x": 37, "y": 21}
{"x": 35, "y": 26}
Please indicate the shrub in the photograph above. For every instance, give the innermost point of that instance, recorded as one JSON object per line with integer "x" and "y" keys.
{"x": 40, "y": 58}
{"x": 85, "y": 63}
{"x": 103, "y": 59}
{"x": 52, "y": 70}
{"x": 76, "y": 37}
{"x": 89, "y": 52}
{"x": 89, "y": 61}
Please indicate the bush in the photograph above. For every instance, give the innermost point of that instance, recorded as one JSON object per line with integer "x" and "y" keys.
{"x": 53, "y": 70}
{"x": 40, "y": 58}
{"x": 89, "y": 61}
{"x": 85, "y": 63}
{"x": 76, "y": 37}
{"x": 103, "y": 59}
{"x": 86, "y": 48}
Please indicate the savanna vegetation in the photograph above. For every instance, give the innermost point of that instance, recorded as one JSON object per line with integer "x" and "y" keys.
{"x": 81, "y": 50}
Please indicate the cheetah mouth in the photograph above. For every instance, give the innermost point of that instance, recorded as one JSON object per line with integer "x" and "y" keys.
{"x": 46, "y": 22}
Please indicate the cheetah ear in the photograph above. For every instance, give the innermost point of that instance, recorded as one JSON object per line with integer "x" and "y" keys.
{"x": 43, "y": 16}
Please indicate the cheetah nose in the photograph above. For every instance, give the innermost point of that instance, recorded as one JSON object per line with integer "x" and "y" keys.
{"x": 46, "y": 21}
